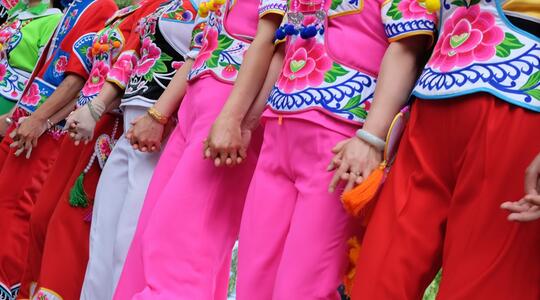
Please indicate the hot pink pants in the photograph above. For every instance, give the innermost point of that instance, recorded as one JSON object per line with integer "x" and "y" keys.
{"x": 192, "y": 211}
{"x": 293, "y": 238}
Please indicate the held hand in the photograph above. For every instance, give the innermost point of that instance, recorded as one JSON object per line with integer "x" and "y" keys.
{"x": 354, "y": 160}
{"x": 227, "y": 142}
{"x": 525, "y": 210}
{"x": 145, "y": 134}
{"x": 4, "y": 126}
{"x": 26, "y": 136}
{"x": 81, "y": 125}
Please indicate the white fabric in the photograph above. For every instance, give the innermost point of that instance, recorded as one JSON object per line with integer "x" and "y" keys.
{"x": 119, "y": 197}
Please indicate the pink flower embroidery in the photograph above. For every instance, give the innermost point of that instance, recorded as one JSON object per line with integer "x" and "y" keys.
{"x": 3, "y": 71}
{"x": 122, "y": 69}
{"x": 210, "y": 44}
{"x": 96, "y": 79}
{"x": 32, "y": 96}
{"x": 415, "y": 9}
{"x": 150, "y": 53}
{"x": 177, "y": 64}
{"x": 469, "y": 35}
{"x": 9, "y": 4}
{"x": 305, "y": 64}
{"x": 229, "y": 72}
{"x": 61, "y": 64}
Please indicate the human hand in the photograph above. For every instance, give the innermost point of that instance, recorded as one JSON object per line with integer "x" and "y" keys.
{"x": 353, "y": 162}
{"x": 27, "y": 133}
{"x": 81, "y": 123}
{"x": 227, "y": 142}
{"x": 525, "y": 210}
{"x": 145, "y": 134}
{"x": 4, "y": 125}
{"x": 528, "y": 207}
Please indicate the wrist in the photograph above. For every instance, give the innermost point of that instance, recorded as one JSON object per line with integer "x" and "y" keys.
{"x": 371, "y": 139}
{"x": 157, "y": 116}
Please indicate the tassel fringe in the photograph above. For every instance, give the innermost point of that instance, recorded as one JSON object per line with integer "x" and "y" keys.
{"x": 77, "y": 196}
{"x": 357, "y": 198}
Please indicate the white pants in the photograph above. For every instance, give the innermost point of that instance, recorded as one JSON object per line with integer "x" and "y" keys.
{"x": 119, "y": 198}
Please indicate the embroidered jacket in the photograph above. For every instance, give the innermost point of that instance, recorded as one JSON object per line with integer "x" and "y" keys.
{"x": 67, "y": 52}
{"x": 154, "y": 52}
{"x": 479, "y": 50}
{"x": 225, "y": 35}
{"x": 335, "y": 71}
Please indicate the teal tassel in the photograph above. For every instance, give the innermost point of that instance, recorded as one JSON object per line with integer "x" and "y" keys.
{"x": 77, "y": 196}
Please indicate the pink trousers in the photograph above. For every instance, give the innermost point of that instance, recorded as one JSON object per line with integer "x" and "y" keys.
{"x": 191, "y": 215}
{"x": 293, "y": 238}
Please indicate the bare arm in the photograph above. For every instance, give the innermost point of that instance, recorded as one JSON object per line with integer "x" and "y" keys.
{"x": 81, "y": 122}
{"x": 146, "y": 134}
{"x": 225, "y": 143}
{"x": 253, "y": 116}
{"x": 63, "y": 96}
{"x": 355, "y": 159}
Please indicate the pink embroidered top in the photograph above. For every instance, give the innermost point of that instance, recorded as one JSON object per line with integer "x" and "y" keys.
{"x": 333, "y": 53}
{"x": 225, "y": 34}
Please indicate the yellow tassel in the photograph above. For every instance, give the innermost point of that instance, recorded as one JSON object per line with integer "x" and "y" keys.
{"x": 357, "y": 198}
{"x": 354, "y": 252}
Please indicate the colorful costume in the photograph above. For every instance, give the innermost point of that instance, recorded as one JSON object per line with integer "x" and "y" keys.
{"x": 192, "y": 210}
{"x": 60, "y": 220}
{"x": 470, "y": 137}
{"x": 294, "y": 233}
{"x": 153, "y": 53}
{"x": 5, "y": 6}
{"x": 66, "y": 54}
{"x": 22, "y": 40}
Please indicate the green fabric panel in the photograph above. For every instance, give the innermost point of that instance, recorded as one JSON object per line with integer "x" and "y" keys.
{"x": 35, "y": 35}
{"x": 5, "y": 105}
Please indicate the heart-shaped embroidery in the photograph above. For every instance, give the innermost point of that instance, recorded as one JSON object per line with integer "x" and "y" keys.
{"x": 458, "y": 40}
{"x": 103, "y": 148}
{"x": 297, "y": 65}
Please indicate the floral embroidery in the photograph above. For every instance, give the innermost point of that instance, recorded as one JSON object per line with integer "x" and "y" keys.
{"x": 122, "y": 69}
{"x": 3, "y": 71}
{"x": 229, "y": 71}
{"x": 305, "y": 65}
{"x": 96, "y": 78}
{"x": 61, "y": 64}
{"x": 210, "y": 43}
{"x": 32, "y": 96}
{"x": 415, "y": 9}
{"x": 469, "y": 35}
{"x": 150, "y": 54}
{"x": 177, "y": 64}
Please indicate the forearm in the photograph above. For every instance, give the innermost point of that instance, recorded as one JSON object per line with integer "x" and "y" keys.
{"x": 252, "y": 117}
{"x": 253, "y": 70}
{"x": 171, "y": 98}
{"x": 109, "y": 95}
{"x": 63, "y": 113}
{"x": 63, "y": 96}
{"x": 398, "y": 74}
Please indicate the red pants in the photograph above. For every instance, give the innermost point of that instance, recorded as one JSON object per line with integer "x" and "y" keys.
{"x": 21, "y": 180}
{"x": 458, "y": 161}
{"x": 58, "y": 251}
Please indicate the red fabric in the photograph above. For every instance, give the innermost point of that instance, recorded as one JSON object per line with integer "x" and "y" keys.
{"x": 20, "y": 181}
{"x": 59, "y": 251}
{"x": 458, "y": 161}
